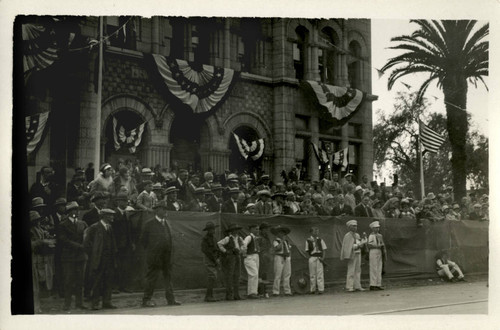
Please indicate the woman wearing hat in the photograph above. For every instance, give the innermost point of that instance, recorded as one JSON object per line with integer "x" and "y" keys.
{"x": 104, "y": 181}
{"x": 282, "y": 260}
{"x": 231, "y": 246}
{"x": 351, "y": 251}
{"x": 378, "y": 255}
{"x": 211, "y": 259}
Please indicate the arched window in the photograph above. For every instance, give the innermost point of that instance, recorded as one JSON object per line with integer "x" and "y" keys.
{"x": 299, "y": 51}
{"x": 326, "y": 54}
{"x": 354, "y": 67}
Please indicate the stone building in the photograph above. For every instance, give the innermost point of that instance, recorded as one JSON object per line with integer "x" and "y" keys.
{"x": 270, "y": 59}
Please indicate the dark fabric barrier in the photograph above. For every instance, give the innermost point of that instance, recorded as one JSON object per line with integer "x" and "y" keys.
{"x": 411, "y": 250}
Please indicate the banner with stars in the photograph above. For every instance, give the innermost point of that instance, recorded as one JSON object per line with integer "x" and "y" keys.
{"x": 200, "y": 90}
{"x": 35, "y": 126}
{"x": 340, "y": 103}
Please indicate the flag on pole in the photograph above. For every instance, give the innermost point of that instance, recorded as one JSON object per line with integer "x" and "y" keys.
{"x": 320, "y": 154}
{"x": 341, "y": 158}
{"x": 128, "y": 139}
{"x": 430, "y": 140}
{"x": 35, "y": 125}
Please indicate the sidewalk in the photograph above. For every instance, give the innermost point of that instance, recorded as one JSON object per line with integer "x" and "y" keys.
{"x": 53, "y": 305}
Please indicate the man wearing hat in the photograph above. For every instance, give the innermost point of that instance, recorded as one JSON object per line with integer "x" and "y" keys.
{"x": 251, "y": 248}
{"x": 173, "y": 204}
{"x": 378, "y": 255}
{"x": 278, "y": 203}
{"x": 122, "y": 228}
{"x": 211, "y": 259}
{"x": 231, "y": 183}
{"x": 231, "y": 205}
{"x": 99, "y": 243}
{"x": 263, "y": 205}
{"x": 291, "y": 205}
{"x": 363, "y": 209}
{"x": 231, "y": 246}
{"x": 198, "y": 203}
{"x": 282, "y": 260}
{"x": 351, "y": 251}
{"x": 99, "y": 199}
{"x": 157, "y": 193}
{"x": 45, "y": 187}
{"x": 181, "y": 183}
{"x": 214, "y": 201}
{"x": 76, "y": 190}
{"x": 264, "y": 183}
{"x": 73, "y": 256}
{"x": 347, "y": 182}
{"x": 156, "y": 238}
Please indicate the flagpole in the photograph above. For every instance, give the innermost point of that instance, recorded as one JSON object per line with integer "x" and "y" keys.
{"x": 422, "y": 185}
{"x": 97, "y": 146}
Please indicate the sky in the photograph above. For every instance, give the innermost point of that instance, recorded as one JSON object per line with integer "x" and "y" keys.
{"x": 382, "y": 32}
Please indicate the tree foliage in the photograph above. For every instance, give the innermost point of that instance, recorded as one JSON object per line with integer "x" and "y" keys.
{"x": 395, "y": 142}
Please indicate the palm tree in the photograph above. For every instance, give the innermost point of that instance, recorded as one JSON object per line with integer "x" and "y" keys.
{"x": 454, "y": 53}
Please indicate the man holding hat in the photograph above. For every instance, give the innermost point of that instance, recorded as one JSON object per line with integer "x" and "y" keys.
{"x": 263, "y": 205}
{"x": 378, "y": 255}
{"x": 73, "y": 255}
{"x": 156, "y": 238}
{"x": 173, "y": 204}
{"x": 251, "y": 248}
{"x": 351, "y": 250}
{"x": 231, "y": 246}
{"x": 282, "y": 260}
{"x": 231, "y": 205}
{"x": 99, "y": 243}
{"x": 211, "y": 259}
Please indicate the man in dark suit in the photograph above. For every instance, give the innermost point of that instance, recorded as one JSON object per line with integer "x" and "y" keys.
{"x": 156, "y": 238}
{"x": 198, "y": 203}
{"x": 363, "y": 209}
{"x": 122, "y": 228}
{"x": 182, "y": 183}
{"x": 173, "y": 204}
{"x": 99, "y": 243}
{"x": 55, "y": 221}
{"x": 341, "y": 208}
{"x": 100, "y": 200}
{"x": 73, "y": 257}
{"x": 231, "y": 205}
{"x": 214, "y": 202}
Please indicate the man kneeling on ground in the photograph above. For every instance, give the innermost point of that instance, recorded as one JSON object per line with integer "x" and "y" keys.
{"x": 447, "y": 268}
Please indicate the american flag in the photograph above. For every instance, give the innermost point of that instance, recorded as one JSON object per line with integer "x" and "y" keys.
{"x": 35, "y": 125}
{"x": 430, "y": 139}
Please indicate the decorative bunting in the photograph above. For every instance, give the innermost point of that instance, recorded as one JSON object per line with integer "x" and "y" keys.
{"x": 201, "y": 91}
{"x": 35, "y": 126}
{"x": 128, "y": 139}
{"x": 254, "y": 150}
{"x": 341, "y": 158}
{"x": 321, "y": 154}
{"x": 341, "y": 103}
{"x": 39, "y": 52}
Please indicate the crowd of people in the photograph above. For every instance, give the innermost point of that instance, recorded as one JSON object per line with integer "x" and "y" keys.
{"x": 86, "y": 258}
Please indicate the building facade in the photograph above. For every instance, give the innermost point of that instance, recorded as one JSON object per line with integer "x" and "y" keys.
{"x": 270, "y": 58}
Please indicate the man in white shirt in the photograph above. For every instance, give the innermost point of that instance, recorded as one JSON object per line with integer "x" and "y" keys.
{"x": 231, "y": 247}
{"x": 316, "y": 247}
{"x": 251, "y": 249}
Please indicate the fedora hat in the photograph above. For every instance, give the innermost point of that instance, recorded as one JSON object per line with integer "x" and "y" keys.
{"x": 199, "y": 190}
{"x": 210, "y": 225}
{"x": 280, "y": 228}
{"x": 37, "y": 202}
{"x": 278, "y": 194}
{"x": 216, "y": 186}
{"x": 264, "y": 192}
{"x": 431, "y": 196}
{"x": 264, "y": 225}
{"x": 234, "y": 190}
{"x": 232, "y": 227}
{"x": 171, "y": 189}
{"x": 121, "y": 196}
{"x": 99, "y": 195}
{"x": 34, "y": 216}
{"x": 157, "y": 186}
{"x": 71, "y": 205}
{"x": 162, "y": 204}
{"x": 107, "y": 212}
{"x": 146, "y": 171}
{"x": 60, "y": 201}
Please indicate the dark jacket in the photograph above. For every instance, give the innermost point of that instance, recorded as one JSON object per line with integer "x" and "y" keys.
{"x": 122, "y": 228}
{"x": 93, "y": 244}
{"x": 70, "y": 240}
{"x": 209, "y": 248}
{"x": 194, "y": 206}
{"x": 213, "y": 204}
{"x": 171, "y": 206}
{"x": 360, "y": 211}
{"x": 346, "y": 209}
{"x": 320, "y": 210}
{"x": 91, "y": 217}
{"x": 228, "y": 207}
{"x": 157, "y": 241}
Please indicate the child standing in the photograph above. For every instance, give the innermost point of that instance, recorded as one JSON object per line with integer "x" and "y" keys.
{"x": 316, "y": 247}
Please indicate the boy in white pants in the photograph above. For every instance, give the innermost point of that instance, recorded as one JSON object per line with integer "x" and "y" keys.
{"x": 316, "y": 247}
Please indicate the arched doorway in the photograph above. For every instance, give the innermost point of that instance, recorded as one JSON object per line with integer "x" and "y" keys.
{"x": 237, "y": 163}
{"x": 185, "y": 136}
{"x": 129, "y": 120}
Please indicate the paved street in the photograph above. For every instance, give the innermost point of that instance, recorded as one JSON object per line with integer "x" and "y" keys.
{"x": 459, "y": 298}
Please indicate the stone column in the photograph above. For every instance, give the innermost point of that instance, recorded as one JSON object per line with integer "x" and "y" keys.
{"x": 313, "y": 164}
{"x": 155, "y": 35}
{"x": 282, "y": 65}
{"x": 158, "y": 154}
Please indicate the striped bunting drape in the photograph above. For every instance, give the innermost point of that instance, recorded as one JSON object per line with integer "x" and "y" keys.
{"x": 254, "y": 150}
{"x": 341, "y": 103}
{"x": 430, "y": 139}
{"x": 35, "y": 126}
{"x": 38, "y": 53}
{"x": 200, "y": 90}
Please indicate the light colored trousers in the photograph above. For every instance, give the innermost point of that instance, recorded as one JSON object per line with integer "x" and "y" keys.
{"x": 448, "y": 269}
{"x": 282, "y": 272}
{"x": 353, "y": 280}
{"x": 316, "y": 274}
{"x": 252, "y": 266}
{"x": 375, "y": 267}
